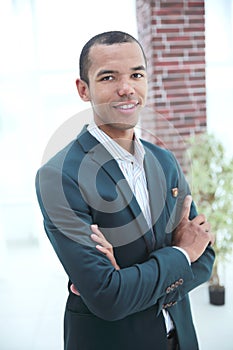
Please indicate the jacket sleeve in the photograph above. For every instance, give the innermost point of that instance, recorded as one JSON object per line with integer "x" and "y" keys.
{"x": 108, "y": 293}
{"x": 178, "y": 289}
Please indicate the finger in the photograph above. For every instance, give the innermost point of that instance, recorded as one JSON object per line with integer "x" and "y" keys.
{"x": 101, "y": 241}
{"x": 212, "y": 238}
{"x": 98, "y": 237}
{"x": 97, "y": 231}
{"x": 104, "y": 250}
{"x": 186, "y": 207}
{"x": 200, "y": 219}
{"x": 206, "y": 226}
{"x": 109, "y": 255}
{"x": 74, "y": 290}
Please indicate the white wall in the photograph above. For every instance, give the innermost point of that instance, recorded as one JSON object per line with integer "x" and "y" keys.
{"x": 219, "y": 70}
{"x": 40, "y": 45}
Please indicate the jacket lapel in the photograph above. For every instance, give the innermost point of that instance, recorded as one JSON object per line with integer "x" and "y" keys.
{"x": 157, "y": 188}
{"x": 103, "y": 159}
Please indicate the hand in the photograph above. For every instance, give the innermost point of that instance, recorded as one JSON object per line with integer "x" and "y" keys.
{"x": 104, "y": 247}
{"x": 192, "y": 235}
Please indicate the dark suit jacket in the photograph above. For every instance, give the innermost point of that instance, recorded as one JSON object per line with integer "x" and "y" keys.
{"x": 119, "y": 310}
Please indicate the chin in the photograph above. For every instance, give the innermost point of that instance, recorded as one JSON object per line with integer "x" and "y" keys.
{"x": 123, "y": 126}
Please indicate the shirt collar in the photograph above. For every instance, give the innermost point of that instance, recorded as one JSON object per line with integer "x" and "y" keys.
{"x": 118, "y": 152}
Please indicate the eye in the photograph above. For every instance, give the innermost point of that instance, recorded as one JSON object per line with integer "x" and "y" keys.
{"x": 107, "y": 78}
{"x": 137, "y": 75}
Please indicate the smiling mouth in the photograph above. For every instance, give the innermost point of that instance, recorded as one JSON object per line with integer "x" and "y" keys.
{"x": 127, "y": 106}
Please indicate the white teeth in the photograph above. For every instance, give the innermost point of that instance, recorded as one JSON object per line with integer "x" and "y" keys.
{"x": 127, "y": 106}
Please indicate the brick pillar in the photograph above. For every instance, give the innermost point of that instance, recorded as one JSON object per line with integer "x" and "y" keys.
{"x": 172, "y": 33}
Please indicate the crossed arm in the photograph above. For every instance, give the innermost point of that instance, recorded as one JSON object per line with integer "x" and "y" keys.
{"x": 191, "y": 236}
{"x": 109, "y": 293}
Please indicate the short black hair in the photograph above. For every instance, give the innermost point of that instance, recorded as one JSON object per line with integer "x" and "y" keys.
{"x": 106, "y": 38}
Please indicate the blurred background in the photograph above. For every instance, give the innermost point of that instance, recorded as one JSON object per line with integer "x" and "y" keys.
{"x": 40, "y": 46}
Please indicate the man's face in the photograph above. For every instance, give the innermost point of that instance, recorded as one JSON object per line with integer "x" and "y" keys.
{"x": 117, "y": 84}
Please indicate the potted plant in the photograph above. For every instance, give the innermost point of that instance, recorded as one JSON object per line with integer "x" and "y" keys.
{"x": 211, "y": 179}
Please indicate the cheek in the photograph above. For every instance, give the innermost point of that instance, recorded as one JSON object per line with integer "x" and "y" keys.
{"x": 100, "y": 95}
{"x": 102, "y": 109}
{"x": 144, "y": 89}
{"x": 143, "y": 93}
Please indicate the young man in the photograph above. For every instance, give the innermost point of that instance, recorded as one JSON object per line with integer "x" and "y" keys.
{"x": 134, "y": 295}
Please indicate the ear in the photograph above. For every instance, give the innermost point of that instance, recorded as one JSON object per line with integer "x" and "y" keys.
{"x": 83, "y": 90}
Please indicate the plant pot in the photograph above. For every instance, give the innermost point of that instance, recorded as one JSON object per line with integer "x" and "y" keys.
{"x": 217, "y": 295}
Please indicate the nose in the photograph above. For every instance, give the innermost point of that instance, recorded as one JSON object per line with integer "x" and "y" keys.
{"x": 125, "y": 88}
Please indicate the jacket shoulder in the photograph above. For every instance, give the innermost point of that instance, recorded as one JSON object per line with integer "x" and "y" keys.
{"x": 73, "y": 152}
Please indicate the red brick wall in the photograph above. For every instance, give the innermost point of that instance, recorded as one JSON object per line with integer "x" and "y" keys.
{"x": 173, "y": 36}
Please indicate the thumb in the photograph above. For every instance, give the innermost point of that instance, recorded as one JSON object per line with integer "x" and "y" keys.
{"x": 186, "y": 207}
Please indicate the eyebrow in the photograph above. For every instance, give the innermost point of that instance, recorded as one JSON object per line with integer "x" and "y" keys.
{"x": 107, "y": 71}
{"x": 138, "y": 68}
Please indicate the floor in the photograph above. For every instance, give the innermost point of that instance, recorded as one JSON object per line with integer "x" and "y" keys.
{"x": 33, "y": 294}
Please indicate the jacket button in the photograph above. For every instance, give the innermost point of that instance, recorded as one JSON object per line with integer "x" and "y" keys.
{"x": 168, "y": 290}
{"x": 181, "y": 281}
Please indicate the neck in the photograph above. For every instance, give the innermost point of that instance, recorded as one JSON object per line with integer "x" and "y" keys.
{"x": 124, "y": 138}
{"x": 128, "y": 145}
